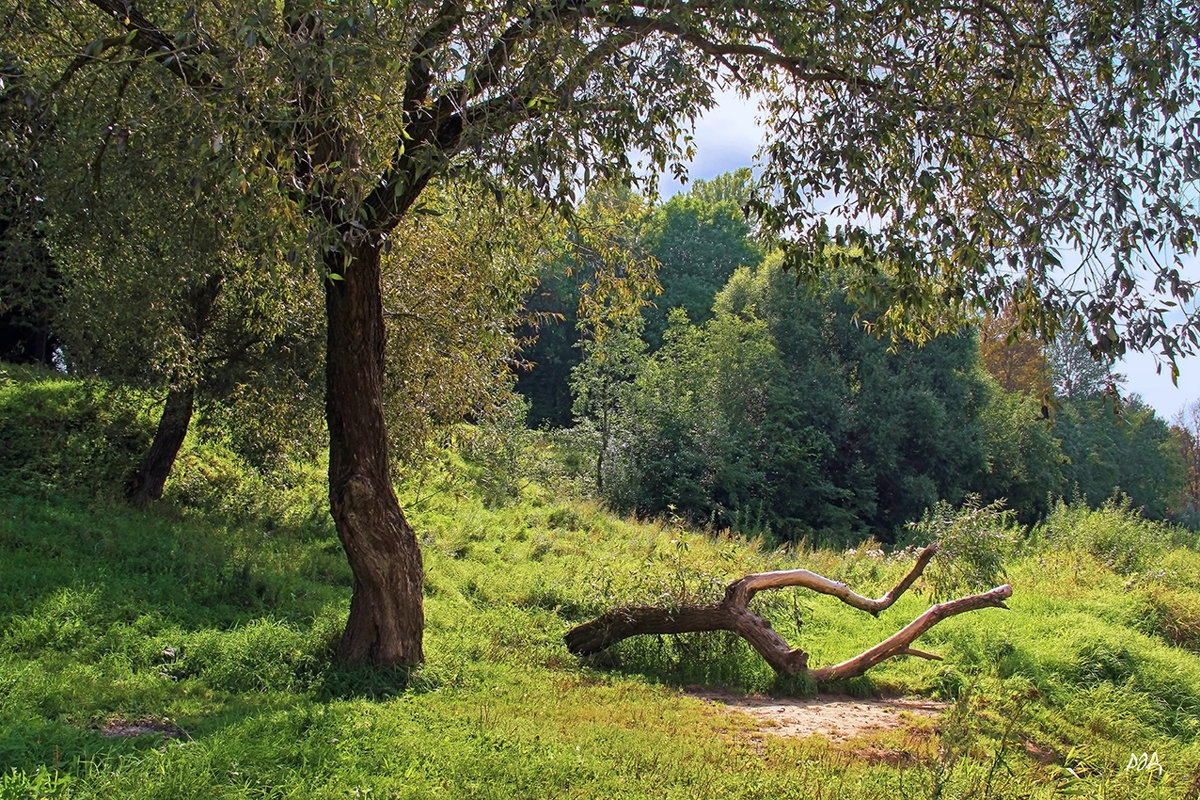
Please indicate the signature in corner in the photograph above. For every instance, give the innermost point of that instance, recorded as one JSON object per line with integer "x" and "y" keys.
{"x": 1141, "y": 762}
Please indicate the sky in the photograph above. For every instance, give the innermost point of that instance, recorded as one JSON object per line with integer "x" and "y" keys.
{"x": 727, "y": 138}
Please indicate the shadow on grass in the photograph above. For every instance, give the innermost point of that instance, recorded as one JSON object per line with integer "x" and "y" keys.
{"x": 32, "y": 745}
{"x": 715, "y": 661}
{"x": 186, "y": 573}
{"x": 372, "y": 683}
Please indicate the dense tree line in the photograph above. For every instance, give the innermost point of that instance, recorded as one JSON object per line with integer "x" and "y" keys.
{"x": 1187, "y": 432}
{"x": 29, "y": 279}
{"x": 693, "y": 241}
{"x": 772, "y": 406}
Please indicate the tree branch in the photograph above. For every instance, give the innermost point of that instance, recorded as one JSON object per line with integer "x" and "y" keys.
{"x": 798, "y": 68}
{"x": 419, "y": 80}
{"x": 898, "y": 643}
{"x": 155, "y": 43}
{"x": 732, "y": 614}
{"x": 741, "y": 591}
{"x": 91, "y": 55}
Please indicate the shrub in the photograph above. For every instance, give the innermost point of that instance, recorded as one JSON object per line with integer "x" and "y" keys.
{"x": 1115, "y": 534}
{"x": 975, "y": 540}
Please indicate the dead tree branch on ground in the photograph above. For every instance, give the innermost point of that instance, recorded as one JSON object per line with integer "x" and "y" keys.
{"x": 732, "y": 614}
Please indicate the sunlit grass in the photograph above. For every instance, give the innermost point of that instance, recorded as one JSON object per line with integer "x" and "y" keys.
{"x": 223, "y": 626}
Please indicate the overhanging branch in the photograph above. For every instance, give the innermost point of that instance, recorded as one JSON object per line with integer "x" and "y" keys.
{"x": 799, "y": 69}
{"x": 152, "y": 41}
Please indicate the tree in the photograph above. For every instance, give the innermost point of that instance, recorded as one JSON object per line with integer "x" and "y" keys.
{"x": 601, "y": 383}
{"x": 1024, "y": 459}
{"x": 782, "y": 415}
{"x": 29, "y": 278}
{"x": 163, "y": 286}
{"x": 735, "y": 187}
{"x": 453, "y": 290}
{"x": 552, "y": 351}
{"x": 1119, "y": 446}
{"x": 732, "y": 613}
{"x": 696, "y": 426}
{"x": 912, "y": 433}
{"x": 698, "y": 243}
{"x": 694, "y": 241}
{"x": 1077, "y": 373}
{"x": 1015, "y": 358}
{"x": 965, "y": 166}
{"x": 1187, "y": 436}
{"x": 596, "y": 274}
{"x": 234, "y": 344}
{"x": 964, "y": 142}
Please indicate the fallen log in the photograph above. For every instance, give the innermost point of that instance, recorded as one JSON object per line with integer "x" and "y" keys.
{"x": 733, "y": 614}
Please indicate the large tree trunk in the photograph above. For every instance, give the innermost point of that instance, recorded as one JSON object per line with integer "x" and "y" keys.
{"x": 147, "y": 482}
{"x": 386, "y": 617}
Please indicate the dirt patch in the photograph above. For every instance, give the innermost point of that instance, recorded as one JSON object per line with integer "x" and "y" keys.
{"x": 836, "y": 717}
{"x": 885, "y": 755}
{"x": 124, "y": 728}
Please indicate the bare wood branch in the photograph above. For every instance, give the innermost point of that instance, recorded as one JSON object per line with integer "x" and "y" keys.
{"x": 912, "y": 651}
{"x": 743, "y": 590}
{"x": 732, "y": 614}
{"x": 622, "y": 623}
{"x": 898, "y": 643}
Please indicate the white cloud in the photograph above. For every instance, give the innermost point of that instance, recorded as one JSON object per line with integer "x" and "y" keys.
{"x": 727, "y": 137}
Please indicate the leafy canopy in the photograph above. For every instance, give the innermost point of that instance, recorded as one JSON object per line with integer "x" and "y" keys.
{"x": 962, "y": 146}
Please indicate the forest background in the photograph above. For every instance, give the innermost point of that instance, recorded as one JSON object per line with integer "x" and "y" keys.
{"x": 200, "y": 201}
{"x": 680, "y": 370}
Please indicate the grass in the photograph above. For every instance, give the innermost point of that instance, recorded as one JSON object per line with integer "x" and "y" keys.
{"x": 218, "y": 611}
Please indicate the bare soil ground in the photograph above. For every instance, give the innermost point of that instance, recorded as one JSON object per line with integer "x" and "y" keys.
{"x": 119, "y": 728}
{"x": 836, "y": 717}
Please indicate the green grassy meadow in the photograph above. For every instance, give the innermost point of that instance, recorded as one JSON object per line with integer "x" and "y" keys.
{"x": 214, "y": 617}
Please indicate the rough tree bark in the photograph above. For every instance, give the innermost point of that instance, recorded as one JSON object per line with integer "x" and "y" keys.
{"x": 732, "y": 614}
{"x": 147, "y": 482}
{"x": 386, "y": 616}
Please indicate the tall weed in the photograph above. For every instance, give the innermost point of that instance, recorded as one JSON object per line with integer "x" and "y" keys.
{"x": 1116, "y": 535}
{"x": 975, "y": 542}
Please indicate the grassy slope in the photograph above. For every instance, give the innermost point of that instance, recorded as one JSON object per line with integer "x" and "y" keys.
{"x": 222, "y": 621}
